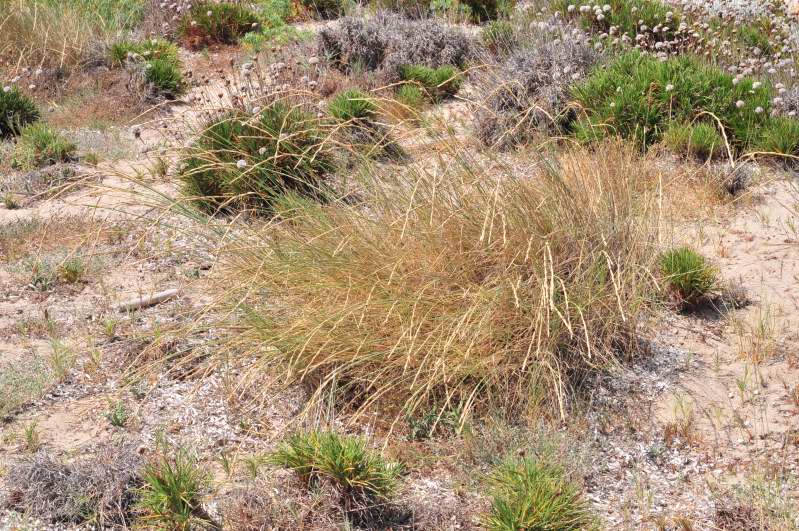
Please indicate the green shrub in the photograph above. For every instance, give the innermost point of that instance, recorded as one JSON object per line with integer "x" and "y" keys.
{"x": 208, "y": 23}
{"x": 40, "y": 145}
{"x": 241, "y": 160}
{"x": 170, "y": 497}
{"x": 411, "y": 95}
{"x": 689, "y": 277}
{"x": 361, "y": 476}
{"x": 627, "y": 16}
{"x": 438, "y": 83}
{"x": 530, "y": 495}
{"x": 638, "y": 96}
{"x": 781, "y": 136}
{"x": 351, "y": 105}
{"x": 700, "y": 140}
{"x": 497, "y": 36}
{"x": 16, "y": 111}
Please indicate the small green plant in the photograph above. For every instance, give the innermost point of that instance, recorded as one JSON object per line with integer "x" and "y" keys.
{"x": 10, "y": 201}
{"x": 534, "y": 495}
{"x": 689, "y": 277}
{"x": 62, "y": 359}
{"x": 165, "y": 78}
{"x": 780, "y": 136}
{"x": 351, "y": 105}
{"x": 240, "y": 160}
{"x": 497, "y": 35}
{"x": 16, "y": 111}
{"x": 700, "y": 140}
{"x": 484, "y": 10}
{"x": 326, "y": 9}
{"x": 91, "y": 158}
{"x": 410, "y": 95}
{"x": 42, "y": 276}
{"x": 41, "y": 145}
{"x": 32, "y": 439}
{"x": 171, "y": 495}
{"x": 148, "y": 49}
{"x": 162, "y": 65}
{"x": 438, "y": 83}
{"x": 117, "y": 415}
{"x": 209, "y": 23}
{"x": 72, "y": 270}
{"x": 426, "y": 426}
{"x": 362, "y": 476}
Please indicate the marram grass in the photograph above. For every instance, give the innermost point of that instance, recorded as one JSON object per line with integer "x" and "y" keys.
{"x": 447, "y": 284}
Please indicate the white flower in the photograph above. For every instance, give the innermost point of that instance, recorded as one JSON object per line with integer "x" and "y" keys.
{"x": 256, "y": 110}
{"x": 241, "y": 164}
{"x": 606, "y": 8}
{"x": 6, "y": 89}
{"x": 757, "y": 85}
{"x": 758, "y": 110}
{"x": 31, "y": 86}
{"x": 669, "y": 87}
{"x": 209, "y": 13}
{"x": 571, "y": 8}
{"x": 739, "y": 103}
{"x": 736, "y": 80}
{"x": 261, "y": 151}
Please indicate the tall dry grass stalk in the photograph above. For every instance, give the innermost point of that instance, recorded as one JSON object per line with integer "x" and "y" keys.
{"x": 54, "y": 34}
{"x": 452, "y": 282}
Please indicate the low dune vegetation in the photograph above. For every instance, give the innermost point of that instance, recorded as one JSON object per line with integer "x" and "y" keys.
{"x": 389, "y": 264}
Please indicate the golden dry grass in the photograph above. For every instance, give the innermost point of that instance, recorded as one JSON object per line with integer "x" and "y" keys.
{"x": 453, "y": 283}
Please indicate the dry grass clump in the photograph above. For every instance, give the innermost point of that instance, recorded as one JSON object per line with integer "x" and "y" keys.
{"x": 99, "y": 490}
{"x": 386, "y": 42}
{"x": 61, "y": 34}
{"x": 284, "y": 503}
{"x": 450, "y": 283}
{"x": 529, "y": 91}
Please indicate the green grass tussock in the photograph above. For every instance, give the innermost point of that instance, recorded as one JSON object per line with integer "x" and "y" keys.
{"x": 209, "y": 23}
{"x": 638, "y": 96}
{"x": 531, "y": 494}
{"x": 701, "y": 141}
{"x": 16, "y": 111}
{"x": 351, "y": 105}
{"x": 438, "y": 83}
{"x": 239, "y": 160}
{"x": 688, "y": 276}
{"x": 360, "y": 475}
{"x": 41, "y": 145}
{"x": 171, "y": 495}
{"x": 148, "y": 49}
